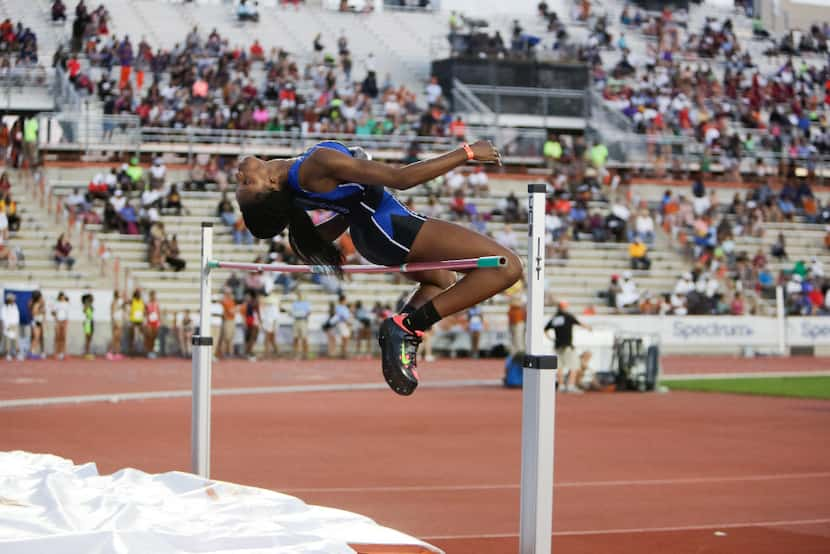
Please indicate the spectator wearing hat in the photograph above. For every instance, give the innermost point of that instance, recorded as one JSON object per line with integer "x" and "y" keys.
{"x": 561, "y": 326}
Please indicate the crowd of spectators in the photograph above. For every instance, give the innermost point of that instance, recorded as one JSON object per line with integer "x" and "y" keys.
{"x": 746, "y": 110}
{"x": 205, "y": 82}
{"x": 18, "y": 46}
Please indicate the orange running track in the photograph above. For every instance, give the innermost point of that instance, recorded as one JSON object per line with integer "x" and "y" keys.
{"x": 635, "y": 472}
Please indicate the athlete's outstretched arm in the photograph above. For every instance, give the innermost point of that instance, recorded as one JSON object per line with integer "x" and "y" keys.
{"x": 329, "y": 167}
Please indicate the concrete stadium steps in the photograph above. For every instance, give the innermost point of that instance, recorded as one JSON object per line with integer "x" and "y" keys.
{"x": 578, "y": 279}
{"x": 37, "y": 236}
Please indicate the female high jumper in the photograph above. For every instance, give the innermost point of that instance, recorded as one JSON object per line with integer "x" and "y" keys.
{"x": 330, "y": 176}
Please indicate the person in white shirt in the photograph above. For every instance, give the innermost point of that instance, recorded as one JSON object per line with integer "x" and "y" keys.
{"x": 10, "y": 320}
{"x": 816, "y": 267}
{"x": 158, "y": 171}
{"x": 76, "y": 202}
{"x": 433, "y": 90}
{"x": 118, "y": 200}
{"x": 149, "y": 197}
{"x": 479, "y": 181}
{"x": 454, "y": 181}
{"x": 270, "y": 313}
{"x": 644, "y": 227}
{"x": 628, "y": 294}
{"x": 61, "y": 315}
{"x": 794, "y": 285}
{"x": 684, "y": 285}
{"x": 507, "y": 237}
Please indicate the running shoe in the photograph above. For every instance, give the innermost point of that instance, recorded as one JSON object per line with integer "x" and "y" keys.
{"x": 399, "y": 351}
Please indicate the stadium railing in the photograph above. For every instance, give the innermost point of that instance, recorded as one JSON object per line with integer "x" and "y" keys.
{"x": 521, "y": 146}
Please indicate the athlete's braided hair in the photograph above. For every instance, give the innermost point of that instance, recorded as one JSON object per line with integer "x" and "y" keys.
{"x": 272, "y": 211}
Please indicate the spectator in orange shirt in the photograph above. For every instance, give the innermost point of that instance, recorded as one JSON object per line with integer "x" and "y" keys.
{"x": 458, "y": 129}
{"x": 226, "y": 332}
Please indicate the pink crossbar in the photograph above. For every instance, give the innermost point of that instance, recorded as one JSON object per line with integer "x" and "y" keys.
{"x": 469, "y": 263}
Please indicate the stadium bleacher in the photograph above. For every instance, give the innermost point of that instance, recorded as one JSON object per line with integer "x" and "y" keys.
{"x": 401, "y": 43}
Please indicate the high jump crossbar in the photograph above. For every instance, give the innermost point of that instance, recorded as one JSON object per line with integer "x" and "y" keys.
{"x": 539, "y": 369}
{"x": 467, "y": 263}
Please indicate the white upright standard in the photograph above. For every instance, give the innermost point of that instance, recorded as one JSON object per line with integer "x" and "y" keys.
{"x": 202, "y": 357}
{"x": 538, "y": 395}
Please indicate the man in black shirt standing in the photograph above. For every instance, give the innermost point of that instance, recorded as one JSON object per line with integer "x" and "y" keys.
{"x": 562, "y": 324}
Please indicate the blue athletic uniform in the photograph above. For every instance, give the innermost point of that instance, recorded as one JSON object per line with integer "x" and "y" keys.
{"x": 382, "y": 228}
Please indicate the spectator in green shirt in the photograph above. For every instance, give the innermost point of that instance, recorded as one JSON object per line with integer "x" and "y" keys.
{"x": 552, "y": 150}
{"x": 134, "y": 171}
{"x": 598, "y": 155}
{"x": 30, "y": 135}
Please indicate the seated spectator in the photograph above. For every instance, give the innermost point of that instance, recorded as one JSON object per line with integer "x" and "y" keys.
{"x": 198, "y": 172}
{"x": 615, "y": 226}
{"x": 225, "y": 211}
{"x": 173, "y": 201}
{"x": 507, "y": 237}
{"x": 629, "y": 295}
{"x": 644, "y": 227}
{"x": 8, "y": 207}
{"x": 76, "y": 203}
{"x": 171, "y": 253}
{"x": 766, "y": 283}
{"x": 458, "y": 206}
{"x": 241, "y": 234}
{"x": 638, "y": 252}
{"x": 479, "y": 181}
{"x": 610, "y": 294}
{"x": 596, "y": 226}
{"x": 5, "y": 184}
{"x": 247, "y": 11}
{"x": 61, "y": 253}
{"x": 58, "y": 11}
{"x": 128, "y": 217}
{"x": 135, "y": 173}
{"x": 555, "y": 226}
{"x": 512, "y": 213}
{"x": 779, "y": 248}
{"x": 579, "y": 219}
{"x": 155, "y": 238}
{"x": 736, "y": 307}
{"x": 97, "y": 187}
{"x": 158, "y": 172}
{"x": 257, "y": 52}
{"x": 8, "y": 254}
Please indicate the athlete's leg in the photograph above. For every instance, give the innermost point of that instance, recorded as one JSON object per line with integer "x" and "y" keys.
{"x": 439, "y": 240}
{"x": 400, "y": 335}
{"x": 432, "y": 283}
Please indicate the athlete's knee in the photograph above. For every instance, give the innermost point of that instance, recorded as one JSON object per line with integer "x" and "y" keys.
{"x": 512, "y": 272}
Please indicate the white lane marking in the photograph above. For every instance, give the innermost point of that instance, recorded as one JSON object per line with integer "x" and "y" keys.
{"x": 153, "y": 395}
{"x": 667, "y": 529}
{"x": 573, "y": 484}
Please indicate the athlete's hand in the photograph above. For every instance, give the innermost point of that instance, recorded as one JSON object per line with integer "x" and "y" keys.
{"x": 484, "y": 151}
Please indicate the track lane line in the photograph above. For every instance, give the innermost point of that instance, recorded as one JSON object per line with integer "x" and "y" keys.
{"x": 238, "y": 391}
{"x": 667, "y": 529}
{"x": 567, "y": 484}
